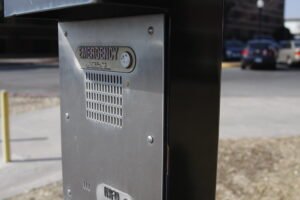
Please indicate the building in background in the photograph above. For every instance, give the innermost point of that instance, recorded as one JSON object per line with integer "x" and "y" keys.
{"x": 27, "y": 37}
{"x": 242, "y": 18}
{"x": 294, "y": 26}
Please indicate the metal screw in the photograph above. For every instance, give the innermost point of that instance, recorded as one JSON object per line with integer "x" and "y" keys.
{"x": 66, "y": 34}
{"x": 127, "y": 83}
{"x": 67, "y": 115}
{"x": 151, "y": 30}
{"x": 69, "y": 192}
{"x": 150, "y": 139}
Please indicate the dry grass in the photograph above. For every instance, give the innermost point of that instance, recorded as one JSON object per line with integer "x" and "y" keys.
{"x": 50, "y": 192}
{"x": 249, "y": 169}
{"x": 21, "y": 104}
{"x": 265, "y": 169}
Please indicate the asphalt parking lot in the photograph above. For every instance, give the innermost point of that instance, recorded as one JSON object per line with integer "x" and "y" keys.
{"x": 260, "y": 103}
{"x": 30, "y": 79}
{"x": 254, "y": 103}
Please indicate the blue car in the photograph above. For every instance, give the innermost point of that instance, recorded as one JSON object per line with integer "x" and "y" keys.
{"x": 260, "y": 54}
{"x": 233, "y": 50}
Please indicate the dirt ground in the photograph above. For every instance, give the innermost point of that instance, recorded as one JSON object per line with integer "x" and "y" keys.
{"x": 259, "y": 169}
{"x": 249, "y": 169}
{"x": 50, "y": 192}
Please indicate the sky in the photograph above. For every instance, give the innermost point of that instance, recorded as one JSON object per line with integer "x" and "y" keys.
{"x": 292, "y": 9}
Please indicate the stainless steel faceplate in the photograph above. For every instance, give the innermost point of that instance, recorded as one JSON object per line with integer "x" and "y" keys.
{"x": 112, "y": 115}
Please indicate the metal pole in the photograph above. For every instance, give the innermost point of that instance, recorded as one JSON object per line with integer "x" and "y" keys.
{"x": 260, "y": 22}
{"x": 5, "y": 127}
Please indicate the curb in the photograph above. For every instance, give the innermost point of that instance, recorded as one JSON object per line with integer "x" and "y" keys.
{"x": 230, "y": 65}
{"x": 13, "y": 61}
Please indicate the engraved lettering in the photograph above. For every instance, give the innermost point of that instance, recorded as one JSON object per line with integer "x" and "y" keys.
{"x": 99, "y": 53}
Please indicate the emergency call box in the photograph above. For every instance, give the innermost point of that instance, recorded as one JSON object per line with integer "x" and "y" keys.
{"x": 112, "y": 89}
{"x": 140, "y": 91}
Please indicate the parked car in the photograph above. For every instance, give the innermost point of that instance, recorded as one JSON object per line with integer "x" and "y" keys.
{"x": 233, "y": 49}
{"x": 260, "y": 53}
{"x": 289, "y": 52}
{"x": 264, "y": 37}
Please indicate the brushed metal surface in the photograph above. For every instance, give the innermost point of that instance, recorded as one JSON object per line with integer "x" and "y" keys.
{"x": 96, "y": 153}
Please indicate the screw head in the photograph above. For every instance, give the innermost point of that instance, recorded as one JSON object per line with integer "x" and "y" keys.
{"x": 127, "y": 84}
{"x": 69, "y": 192}
{"x": 151, "y": 30}
{"x": 150, "y": 139}
{"x": 67, "y": 116}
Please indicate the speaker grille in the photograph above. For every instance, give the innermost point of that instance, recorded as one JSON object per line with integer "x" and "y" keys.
{"x": 104, "y": 98}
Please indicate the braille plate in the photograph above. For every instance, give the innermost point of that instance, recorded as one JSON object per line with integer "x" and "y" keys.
{"x": 105, "y": 192}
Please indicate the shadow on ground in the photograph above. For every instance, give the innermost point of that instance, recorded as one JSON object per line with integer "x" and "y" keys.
{"x": 38, "y": 139}
{"x": 11, "y": 67}
{"x": 36, "y": 160}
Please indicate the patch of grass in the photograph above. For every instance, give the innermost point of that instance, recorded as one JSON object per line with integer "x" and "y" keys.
{"x": 21, "y": 104}
{"x": 49, "y": 192}
{"x": 249, "y": 169}
{"x": 259, "y": 169}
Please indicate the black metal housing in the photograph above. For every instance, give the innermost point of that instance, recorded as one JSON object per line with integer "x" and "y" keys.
{"x": 192, "y": 88}
{"x": 194, "y": 94}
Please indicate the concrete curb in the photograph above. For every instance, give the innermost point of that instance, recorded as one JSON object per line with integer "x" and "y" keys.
{"x": 230, "y": 65}
{"x": 13, "y": 61}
